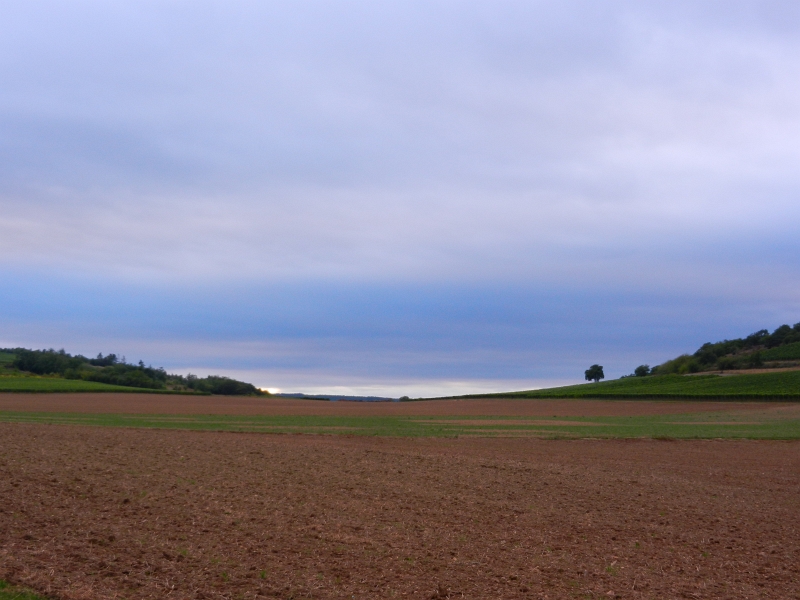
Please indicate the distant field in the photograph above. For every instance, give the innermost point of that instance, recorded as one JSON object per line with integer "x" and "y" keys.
{"x": 766, "y": 386}
{"x": 483, "y": 417}
{"x": 52, "y": 384}
{"x": 787, "y": 352}
{"x": 6, "y": 358}
{"x": 770, "y": 422}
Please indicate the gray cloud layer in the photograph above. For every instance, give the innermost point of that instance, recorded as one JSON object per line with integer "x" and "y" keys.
{"x": 461, "y": 135}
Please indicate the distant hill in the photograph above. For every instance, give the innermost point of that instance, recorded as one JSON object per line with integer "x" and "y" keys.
{"x": 715, "y": 371}
{"x": 761, "y": 349}
{"x": 778, "y": 385}
{"x": 22, "y": 369}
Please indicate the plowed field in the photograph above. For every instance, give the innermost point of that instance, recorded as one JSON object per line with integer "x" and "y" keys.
{"x": 90, "y": 512}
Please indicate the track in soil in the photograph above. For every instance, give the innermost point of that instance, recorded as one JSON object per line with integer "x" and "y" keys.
{"x": 113, "y": 513}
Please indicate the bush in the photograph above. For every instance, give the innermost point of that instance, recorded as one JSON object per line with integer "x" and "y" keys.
{"x": 681, "y": 366}
{"x": 215, "y": 384}
{"x": 755, "y": 360}
{"x": 726, "y": 363}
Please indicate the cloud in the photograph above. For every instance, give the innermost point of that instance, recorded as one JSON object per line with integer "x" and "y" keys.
{"x": 613, "y": 150}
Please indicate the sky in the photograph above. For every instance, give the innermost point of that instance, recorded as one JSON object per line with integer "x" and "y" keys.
{"x": 398, "y": 198}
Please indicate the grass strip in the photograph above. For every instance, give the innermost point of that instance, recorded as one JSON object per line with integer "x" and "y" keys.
{"x": 12, "y": 592}
{"x": 726, "y": 425}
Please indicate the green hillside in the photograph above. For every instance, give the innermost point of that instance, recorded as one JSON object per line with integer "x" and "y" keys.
{"x": 787, "y": 352}
{"x": 762, "y": 386}
{"x": 57, "y": 384}
{"x": 781, "y": 348}
{"x": 58, "y": 371}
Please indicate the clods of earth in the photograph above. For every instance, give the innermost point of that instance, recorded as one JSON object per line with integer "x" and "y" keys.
{"x": 95, "y": 513}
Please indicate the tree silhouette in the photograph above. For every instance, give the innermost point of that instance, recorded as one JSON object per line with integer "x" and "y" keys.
{"x": 594, "y": 373}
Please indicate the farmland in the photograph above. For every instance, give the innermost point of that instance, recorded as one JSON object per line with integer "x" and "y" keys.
{"x": 94, "y": 512}
{"x": 773, "y": 422}
{"x": 140, "y": 496}
{"x": 436, "y": 418}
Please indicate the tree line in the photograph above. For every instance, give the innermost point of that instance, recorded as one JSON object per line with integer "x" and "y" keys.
{"x": 116, "y": 371}
{"x": 740, "y": 353}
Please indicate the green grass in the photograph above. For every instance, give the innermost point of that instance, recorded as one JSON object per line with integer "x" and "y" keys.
{"x": 764, "y": 424}
{"x": 55, "y": 384}
{"x": 787, "y": 352}
{"x": 11, "y": 592}
{"x": 763, "y": 386}
{"x": 6, "y": 358}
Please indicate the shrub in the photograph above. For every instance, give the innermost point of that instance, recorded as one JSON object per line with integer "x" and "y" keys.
{"x": 726, "y": 363}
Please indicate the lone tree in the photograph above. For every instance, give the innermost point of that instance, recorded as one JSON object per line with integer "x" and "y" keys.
{"x": 594, "y": 373}
{"x": 642, "y": 371}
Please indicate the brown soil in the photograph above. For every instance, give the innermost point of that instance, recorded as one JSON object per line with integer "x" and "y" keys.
{"x": 238, "y": 405}
{"x": 110, "y": 513}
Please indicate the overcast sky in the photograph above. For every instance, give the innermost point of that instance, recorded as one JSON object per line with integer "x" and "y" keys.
{"x": 398, "y": 197}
